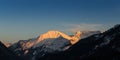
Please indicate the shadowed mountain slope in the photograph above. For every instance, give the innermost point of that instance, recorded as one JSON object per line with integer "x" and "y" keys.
{"x": 104, "y": 46}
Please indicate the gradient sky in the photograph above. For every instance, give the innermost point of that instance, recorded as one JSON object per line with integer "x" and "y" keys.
{"x": 24, "y": 19}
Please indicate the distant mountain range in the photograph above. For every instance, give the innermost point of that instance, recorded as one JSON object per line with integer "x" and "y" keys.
{"x": 55, "y": 45}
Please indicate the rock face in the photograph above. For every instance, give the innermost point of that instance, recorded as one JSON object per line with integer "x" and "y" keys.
{"x": 103, "y": 46}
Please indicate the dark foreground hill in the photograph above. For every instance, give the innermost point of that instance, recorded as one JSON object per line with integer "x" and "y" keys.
{"x": 6, "y": 54}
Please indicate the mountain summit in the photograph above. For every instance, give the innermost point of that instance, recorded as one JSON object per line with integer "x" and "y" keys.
{"x": 57, "y": 34}
{"x": 52, "y": 41}
{"x": 52, "y": 35}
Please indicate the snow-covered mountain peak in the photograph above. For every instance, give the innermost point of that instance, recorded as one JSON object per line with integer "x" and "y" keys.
{"x": 48, "y": 42}
{"x": 57, "y": 34}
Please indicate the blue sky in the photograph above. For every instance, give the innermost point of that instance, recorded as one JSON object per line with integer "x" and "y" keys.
{"x": 24, "y": 19}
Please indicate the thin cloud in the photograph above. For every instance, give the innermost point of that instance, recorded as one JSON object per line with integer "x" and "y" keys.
{"x": 83, "y": 27}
